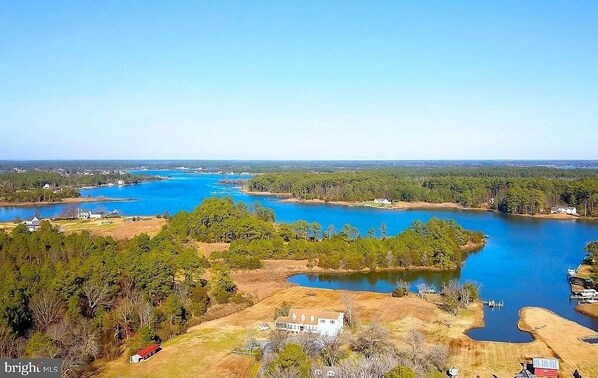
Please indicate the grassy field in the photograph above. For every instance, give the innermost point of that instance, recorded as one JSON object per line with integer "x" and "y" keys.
{"x": 118, "y": 228}
{"x": 204, "y": 350}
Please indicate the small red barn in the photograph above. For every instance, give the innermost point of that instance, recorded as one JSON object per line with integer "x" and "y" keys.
{"x": 144, "y": 353}
{"x": 545, "y": 367}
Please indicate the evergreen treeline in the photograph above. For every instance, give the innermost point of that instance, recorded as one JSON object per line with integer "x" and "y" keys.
{"x": 528, "y": 190}
{"x": 28, "y": 186}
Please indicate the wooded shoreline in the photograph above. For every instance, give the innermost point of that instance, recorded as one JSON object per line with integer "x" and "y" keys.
{"x": 402, "y": 205}
{"x": 71, "y": 200}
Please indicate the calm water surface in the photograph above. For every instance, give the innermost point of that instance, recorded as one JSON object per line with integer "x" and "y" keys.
{"x": 524, "y": 262}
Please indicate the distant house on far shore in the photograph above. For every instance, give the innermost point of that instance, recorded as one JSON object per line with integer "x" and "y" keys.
{"x": 563, "y": 210}
{"x": 47, "y": 186}
{"x": 382, "y": 201}
{"x": 32, "y": 224}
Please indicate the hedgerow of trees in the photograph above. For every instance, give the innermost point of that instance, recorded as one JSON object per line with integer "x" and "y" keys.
{"x": 512, "y": 190}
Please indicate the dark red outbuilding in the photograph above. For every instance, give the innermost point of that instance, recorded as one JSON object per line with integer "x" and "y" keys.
{"x": 148, "y": 351}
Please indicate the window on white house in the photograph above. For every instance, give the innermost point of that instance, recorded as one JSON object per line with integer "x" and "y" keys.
{"x": 332, "y": 322}
{"x": 322, "y": 321}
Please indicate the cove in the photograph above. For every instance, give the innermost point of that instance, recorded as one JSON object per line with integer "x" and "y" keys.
{"x": 524, "y": 263}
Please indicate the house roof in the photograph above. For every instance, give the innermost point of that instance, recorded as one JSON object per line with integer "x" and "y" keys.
{"x": 148, "y": 350}
{"x": 304, "y": 316}
{"x": 545, "y": 363}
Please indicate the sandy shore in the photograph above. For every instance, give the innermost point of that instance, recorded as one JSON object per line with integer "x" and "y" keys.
{"x": 590, "y": 309}
{"x": 64, "y": 201}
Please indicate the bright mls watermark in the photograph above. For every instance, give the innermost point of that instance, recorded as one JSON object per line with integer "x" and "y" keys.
{"x": 30, "y": 367}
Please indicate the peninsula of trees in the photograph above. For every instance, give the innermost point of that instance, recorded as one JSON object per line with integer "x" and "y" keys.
{"x": 45, "y": 186}
{"x": 511, "y": 190}
{"x": 253, "y": 236}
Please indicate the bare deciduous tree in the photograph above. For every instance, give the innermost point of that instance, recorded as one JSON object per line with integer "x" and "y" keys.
{"x": 144, "y": 310}
{"x": 348, "y": 300}
{"x": 332, "y": 351}
{"x": 415, "y": 341}
{"x": 278, "y": 339}
{"x": 125, "y": 314}
{"x": 96, "y": 294}
{"x": 373, "y": 367}
{"x": 46, "y": 308}
{"x": 311, "y": 343}
{"x": 437, "y": 356}
{"x": 371, "y": 341}
{"x": 11, "y": 346}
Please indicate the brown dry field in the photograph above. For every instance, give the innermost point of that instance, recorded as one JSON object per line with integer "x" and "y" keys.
{"x": 204, "y": 350}
{"x": 590, "y": 309}
{"x": 118, "y": 228}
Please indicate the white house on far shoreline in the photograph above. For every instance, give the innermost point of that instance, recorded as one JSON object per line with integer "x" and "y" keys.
{"x": 564, "y": 210}
{"x": 382, "y": 201}
{"x": 326, "y": 323}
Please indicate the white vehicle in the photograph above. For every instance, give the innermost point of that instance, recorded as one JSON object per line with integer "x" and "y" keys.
{"x": 453, "y": 372}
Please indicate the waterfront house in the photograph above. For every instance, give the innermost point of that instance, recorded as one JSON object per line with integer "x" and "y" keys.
{"x": 32, "y": 224}
{"x": 83, "y": 214}
{"x": 382, "y": 201}
{"x": 563, "y": 210}
{"x": 326, "y": 323}
{"x": 144, "y": 353}
{"x": 47, "y": 186}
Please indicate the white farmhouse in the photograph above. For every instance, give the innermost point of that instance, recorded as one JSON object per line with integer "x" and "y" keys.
{"x": 326, "y": 323}
{"x": 32, "y": 224}
{"x": 571, "y": 210}
{"x": 382, "y": 201}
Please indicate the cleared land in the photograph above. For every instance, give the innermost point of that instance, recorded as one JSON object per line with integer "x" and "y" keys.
{"x": 204, "y": 350}
{"x": 118, "y": 228}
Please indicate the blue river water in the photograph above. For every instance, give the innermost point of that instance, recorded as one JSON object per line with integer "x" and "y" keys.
{"x": 524, "y": 263}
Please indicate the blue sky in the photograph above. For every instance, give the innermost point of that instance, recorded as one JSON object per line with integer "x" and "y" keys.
{"x": 299, "y": 80}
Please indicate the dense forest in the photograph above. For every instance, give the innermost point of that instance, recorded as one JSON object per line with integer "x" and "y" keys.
{"x": 512, "y": 190}
{"x": 81, "y": 297}
{"x": 29, "y": 186}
